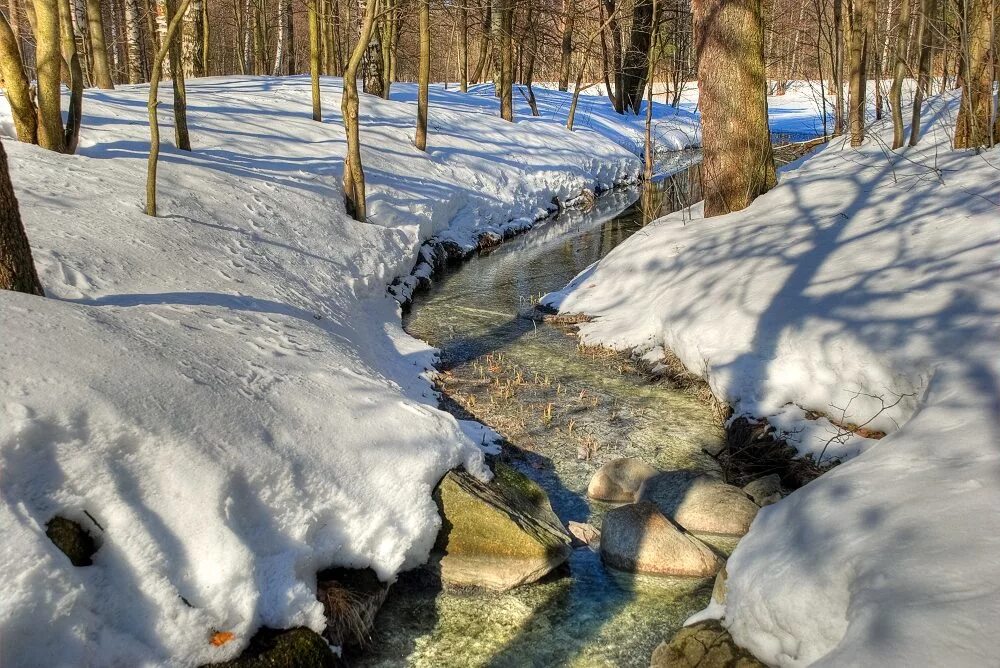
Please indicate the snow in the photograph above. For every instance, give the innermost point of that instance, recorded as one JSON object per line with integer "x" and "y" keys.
{"x": 864, "y": 287}
{"x": 224, "y": 395}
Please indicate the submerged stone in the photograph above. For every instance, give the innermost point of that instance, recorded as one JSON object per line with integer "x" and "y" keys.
{"x": 638, "y": 538}
{"x": 499, "y": 534}
{"x": 703, "y": 645}
{"x": 700, "y": 503}
{"x": 72, "y": 539}
{"x": 620, "y": 480}
{"x": 289, "y": 648}
{"x": 351, "y": 598}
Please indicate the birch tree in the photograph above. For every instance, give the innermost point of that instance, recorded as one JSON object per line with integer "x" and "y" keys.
{"x": 354, "y": 175}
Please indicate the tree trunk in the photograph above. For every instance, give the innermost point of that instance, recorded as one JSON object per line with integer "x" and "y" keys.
{"x": 71, "y": 133}
{"x": 133, "y": 35}
{"x": 617, "y": 97}
{"x": 737, "y": 163}
{"x": 647, "y": 173}
{"x": 193, "y": 40}
{"x": 484, "y": 43}
{"x": 169, "y": 37}
{"x": 837, "y": 76}
{"x": 284, "y": 13}
{"x": 858, "y": 68}
{"x": 22, "y": 106}
{"x": 354, "y": 175}
{"x": 898, "y": 73}
{"x": 181, "y": 137}
{"x": 98, "y": 46}
{"x": 314, "y": 59}
{"x": 637, "y": 56}
{"x": 925, "y": 40}
{"x": 463, "y": 46}
{"x": 506, "y": 59}
{"x": 17, "y": 268}
{"x": 424, "y": 73}
{"x": 206, "y": 33}
{"x": 373, "y": 67}
{"x": 48, "y": 65}
{"x": 566, "y": 51}
{"x": 973, "y": 128}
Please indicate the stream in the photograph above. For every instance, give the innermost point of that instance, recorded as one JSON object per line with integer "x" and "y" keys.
{"x": 563, "y": 412}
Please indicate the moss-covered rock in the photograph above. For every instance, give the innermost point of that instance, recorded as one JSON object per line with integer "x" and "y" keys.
{"x": 289, "y": 648}
{"x": 72, "y": 539}
{"x": 499, "y": 534}
{"x": 703, "y": 645}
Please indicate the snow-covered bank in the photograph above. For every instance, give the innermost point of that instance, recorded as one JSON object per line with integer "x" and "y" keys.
{"x": 864, "y": 278}
{"x": 226, "y": 390}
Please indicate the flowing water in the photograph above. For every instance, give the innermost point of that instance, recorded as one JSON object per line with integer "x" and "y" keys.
{"x": 563, "y": 411}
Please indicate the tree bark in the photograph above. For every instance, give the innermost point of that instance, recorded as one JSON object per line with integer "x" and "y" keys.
{"x": 898, "y": 73}
{"x": 354, "y": 175}
{"x": 98, "y": 46}
{"x": 837, "y": 76}
{"x": 193, "y": 40}
{"x": 17, "y": 268}
{"x": 737, "y": 163}
{"x": 424, "y": 74}
{"x": 617, "y": 96}
{"x": 22, "y": 106}
{"x": 48, "y": 65}
{"x": 169, "y": 37}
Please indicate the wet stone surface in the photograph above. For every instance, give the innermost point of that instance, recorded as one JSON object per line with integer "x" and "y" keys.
{"x": 564, "y": 412}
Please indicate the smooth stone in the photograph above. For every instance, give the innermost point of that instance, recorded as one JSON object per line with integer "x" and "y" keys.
{"x": 499, "y": 534}
{"x": 620, "y": 480}
{"x": 703, "y": 645}
{"x": 700, "y": 503}
{"x": 638, "y": 538}
{"x": 764, "y": 491}
{"x": 351, "y": 598}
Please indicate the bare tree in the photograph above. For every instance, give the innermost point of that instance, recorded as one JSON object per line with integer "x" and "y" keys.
{"x": 71, "y": 133}
{"x": 974, "y": 126}
{"x": 169, "y": 36}
{"x": 898, "y": 73}
{"x": 505, "y": 83}
{"x": 566, "y": 45}
{"x": 354, "y": 175}
{"x": 925, "y": 39}
{"x": 314, "y": 59}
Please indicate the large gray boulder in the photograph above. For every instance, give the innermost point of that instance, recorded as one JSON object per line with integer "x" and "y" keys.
{"x": 638, "y": 538}
{"x": 700, "y": 503}
{"x": 703, "y": 645}
{"x": 619, "y": 480}
{"x": 499, "y": 534}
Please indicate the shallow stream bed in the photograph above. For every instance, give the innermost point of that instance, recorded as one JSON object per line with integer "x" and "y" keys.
{"x": 563, "y": 411}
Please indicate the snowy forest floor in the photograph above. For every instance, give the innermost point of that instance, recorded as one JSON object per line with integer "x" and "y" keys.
{"x": 863, "y": 287}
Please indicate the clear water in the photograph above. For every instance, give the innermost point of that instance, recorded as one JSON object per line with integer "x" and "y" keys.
{"x": 564, "y": 411}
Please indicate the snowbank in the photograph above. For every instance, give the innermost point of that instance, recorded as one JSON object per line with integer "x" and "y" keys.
{"x": 224, "y": 395}
{"x": 864, "y": 286}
